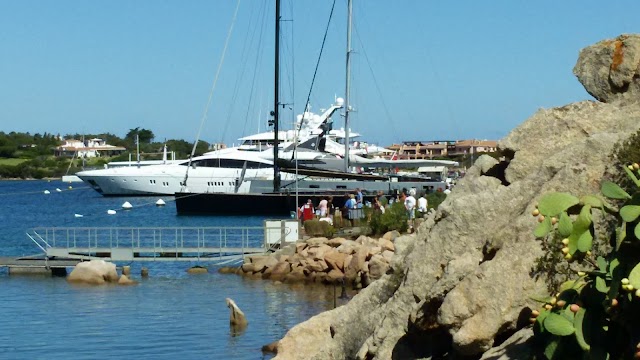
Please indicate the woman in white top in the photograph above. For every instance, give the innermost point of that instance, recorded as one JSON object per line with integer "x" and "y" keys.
{"x": 323, "y": 207}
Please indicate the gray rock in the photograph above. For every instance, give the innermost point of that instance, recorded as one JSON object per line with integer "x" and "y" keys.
{"x": 516, "y": 347}
{"x": 609, "y": 70}
{"x": 467, "y": 271}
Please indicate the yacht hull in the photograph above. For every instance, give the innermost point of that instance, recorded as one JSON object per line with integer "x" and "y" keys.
{"x": 269, "y": 204}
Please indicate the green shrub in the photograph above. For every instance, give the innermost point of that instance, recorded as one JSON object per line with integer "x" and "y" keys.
{"x": 394, "y": 218}
{"x": 435, "y": 198}
{"x": 315, "y": 227}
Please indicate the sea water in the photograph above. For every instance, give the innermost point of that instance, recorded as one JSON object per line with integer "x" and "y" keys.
{"x": 169, "y": 315}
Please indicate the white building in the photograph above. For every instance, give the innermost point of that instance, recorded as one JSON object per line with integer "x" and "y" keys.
{"x": 90, "y": 148}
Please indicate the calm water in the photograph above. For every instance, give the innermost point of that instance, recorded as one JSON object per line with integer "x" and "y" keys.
{"x": 170, "y": 314}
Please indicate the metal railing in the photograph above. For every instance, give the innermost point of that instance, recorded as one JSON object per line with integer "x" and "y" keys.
{"x": 145, "y": 243}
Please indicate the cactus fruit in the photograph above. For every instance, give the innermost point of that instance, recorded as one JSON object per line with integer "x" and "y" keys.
{"x": 598, "y": 296}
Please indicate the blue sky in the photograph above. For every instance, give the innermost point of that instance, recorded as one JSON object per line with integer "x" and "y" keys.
{"x": 422, "y": 70}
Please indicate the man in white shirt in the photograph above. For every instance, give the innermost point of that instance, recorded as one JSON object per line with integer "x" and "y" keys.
{"x": 422, "y": 204}
{"x": 410, "y": 206}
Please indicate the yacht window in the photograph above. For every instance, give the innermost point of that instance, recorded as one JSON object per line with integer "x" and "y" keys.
{"x": 314, "y": 186}
{"x": 341, "y": 187}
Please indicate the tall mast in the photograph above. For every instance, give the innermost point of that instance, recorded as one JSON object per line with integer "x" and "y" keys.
{"x": 347, "y": 90}
{"x": 276, "y": 102}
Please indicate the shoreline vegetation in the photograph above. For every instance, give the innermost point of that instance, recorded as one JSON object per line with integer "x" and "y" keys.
{"x": 25, "y": 156}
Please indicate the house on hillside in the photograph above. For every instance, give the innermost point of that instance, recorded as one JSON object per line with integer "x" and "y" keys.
{"x": 441, "y": 148}
{"x": 473, "y": 146}
{"x": 87, "y": 149}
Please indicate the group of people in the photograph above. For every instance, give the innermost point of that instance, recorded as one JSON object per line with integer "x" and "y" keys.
{"x": 355, "y": 201}
{"x": 324, "y": 211}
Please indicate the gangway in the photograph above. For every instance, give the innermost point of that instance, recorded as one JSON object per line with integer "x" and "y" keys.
{"x": 126, "y": 244}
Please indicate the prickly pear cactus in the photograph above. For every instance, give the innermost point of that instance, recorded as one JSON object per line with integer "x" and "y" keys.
{"x": 595, "y": 315}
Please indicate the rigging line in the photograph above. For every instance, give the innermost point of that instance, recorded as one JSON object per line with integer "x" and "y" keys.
{"x": 248, "y": 45}
{"x": 288, "y": 49}
{"x": 213, "y": 87}
{"x": 375, "y": 81}
{"x": 315, "y": 72}
{"x": 255, "y": 73}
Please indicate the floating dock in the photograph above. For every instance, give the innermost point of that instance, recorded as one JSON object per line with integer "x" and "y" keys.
{"x": 36, "y": 265}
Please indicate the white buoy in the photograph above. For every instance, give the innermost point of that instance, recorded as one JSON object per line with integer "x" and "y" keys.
{"x": 47, "y": 192}
{"x": 160, "y": 202}
{"x": 58, "y": 190}
{"x": 70, "y": 187}
{"x": 127, "y": 205}
{"x": 111, "y": 212}
{"x": 78, "y": 215}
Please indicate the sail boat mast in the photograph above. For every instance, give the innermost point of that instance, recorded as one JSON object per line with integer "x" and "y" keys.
{"x": 276, "y": 102}
{"x": 348, "y": 89}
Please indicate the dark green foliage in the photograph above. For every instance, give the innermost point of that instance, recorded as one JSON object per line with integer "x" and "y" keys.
{"x": 625, "y": 153}
{"x": 144, "y": 135}
{"x": 595, "y": 315}
{"x": 39, "y": 149}
{"x": 394, "y": 218}
{"x": 435, "y": 198}
{"x": 315, "y": 227}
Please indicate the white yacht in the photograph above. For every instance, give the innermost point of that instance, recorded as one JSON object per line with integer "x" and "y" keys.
{"x": 215, "y": 171}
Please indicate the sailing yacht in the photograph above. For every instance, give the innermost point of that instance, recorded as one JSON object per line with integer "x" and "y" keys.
{"x": 313, "y": 178}
{"x": 215, "y": 171}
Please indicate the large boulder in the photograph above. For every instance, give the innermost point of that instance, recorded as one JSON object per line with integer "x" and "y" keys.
{"x": 610, "y": 69}
{"x": 465, "y": 276}
{"x": 94, "y": 272}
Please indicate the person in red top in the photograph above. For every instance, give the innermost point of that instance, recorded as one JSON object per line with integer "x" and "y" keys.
{"x": 307, "y": 212}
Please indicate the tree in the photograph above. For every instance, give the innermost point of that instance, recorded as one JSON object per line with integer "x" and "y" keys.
{"x": 145, "y": 136}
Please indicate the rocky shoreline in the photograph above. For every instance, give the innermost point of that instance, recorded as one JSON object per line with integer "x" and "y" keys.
{"x": 463, "y": 284}
{"x": 321, "y": 260}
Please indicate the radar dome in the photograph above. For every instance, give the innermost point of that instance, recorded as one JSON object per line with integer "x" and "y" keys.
{"x": 339, "y": 101}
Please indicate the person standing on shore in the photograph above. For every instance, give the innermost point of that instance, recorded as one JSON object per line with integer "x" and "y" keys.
{"x": 422, "y": 204}
{"x": 410, "y": 206}
{"x": 322, "y": 207}
{"x": 306, "y": 211}
{"x": 384, "y": 202}
{"x": 359, "y": 198}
